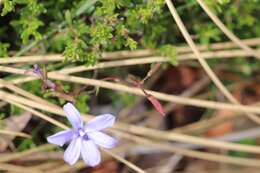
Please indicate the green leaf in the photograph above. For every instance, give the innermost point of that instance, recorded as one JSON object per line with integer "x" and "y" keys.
{"x": 68, "y": 17}
{"x": 8, "y": 7}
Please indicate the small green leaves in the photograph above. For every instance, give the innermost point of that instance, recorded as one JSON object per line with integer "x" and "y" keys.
{"x": 8, "y": 7}
{"x": 108, "y": 30}
{"x": 30, "y": 29}
{"x": 113, "y": 25}
{"x": 29, "y": 21}
{"x": 145, "y": 14}
{"x": 207, "y": 33}
{"x": 107, "y": 8}
{"x": 131, "y": 43}
{"x": 3, "y": 49}
{"x": 100, "y": 34}
{"x": 76, "y": 51}
{"x": 91, "y": 58}
{"x": 170, "y": 52}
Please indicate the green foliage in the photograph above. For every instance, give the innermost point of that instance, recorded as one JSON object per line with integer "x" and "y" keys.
{"x": 109, "y": 28}
{"x": 4, "y": 49}
{"x": 237, "y": 14}
{"x": 29, "y": 22}
{"x": 2, "y": 116}
{"x": 217, "y": 6}
{"x": 223, "y": 2}
{"x": 170, "y": 52}
{"x": 68, "y": 17}
{"x": 208, "y": 33}
{"x": 15, "y": 110}
{"x": 84, "y": 29}
{"x": 81, "y": 102}
{"x": 122, "y": 99}
{"x": 33, "y": 86}
{"x": 131, "y": 43}
{"x": 26, "y": 144}
{"x": 244, "y": 66}
{"x": 100, "y": 34}
{"x": 111, "y": 25}
{"x": 8, "y": 7}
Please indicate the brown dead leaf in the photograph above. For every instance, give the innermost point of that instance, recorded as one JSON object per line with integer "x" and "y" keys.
{"x": 16, "y": 124}
{"x": 188, "y": 76}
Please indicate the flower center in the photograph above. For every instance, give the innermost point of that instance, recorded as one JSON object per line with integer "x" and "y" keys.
{"x": 81, "y": 132}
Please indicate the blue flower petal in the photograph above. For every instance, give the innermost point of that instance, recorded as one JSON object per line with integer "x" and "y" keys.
{"x": 100, "y": 122}
{"x": 102, "y": 139}
{"x": 90, "y": 153}
{"x": 73, "y": 115}
{"x": 61, "y": 138}
{"x": 72, "y": 153}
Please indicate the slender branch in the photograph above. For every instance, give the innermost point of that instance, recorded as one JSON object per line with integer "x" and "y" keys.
{"x": 203, "y": 63}
{"x": 137, "y": 53}
{"x": 236, "y": 136}
{"x": 138, "y": 61}
{"x": 186, "y": 55}
{"x": 23, "y": 92}
{"x": 42, "y": 116}
{"x": 15, "y": 168}
{"x": 147, "y": 131}
{"x": 158, "y": 95}
{"x": 196, "y": 154}
{"x": 13, "y": 156}
{"x": 155, "y": 59}
{"x": 48, "y": 165}
{"x": 59, "y": 57}
{"x": 120, "y": 63}
{"x": 136, "y": 91}
{"x": 13, "y": 133}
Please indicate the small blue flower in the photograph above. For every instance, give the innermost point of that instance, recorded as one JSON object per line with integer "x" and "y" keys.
{"x": 84, "y": 138}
